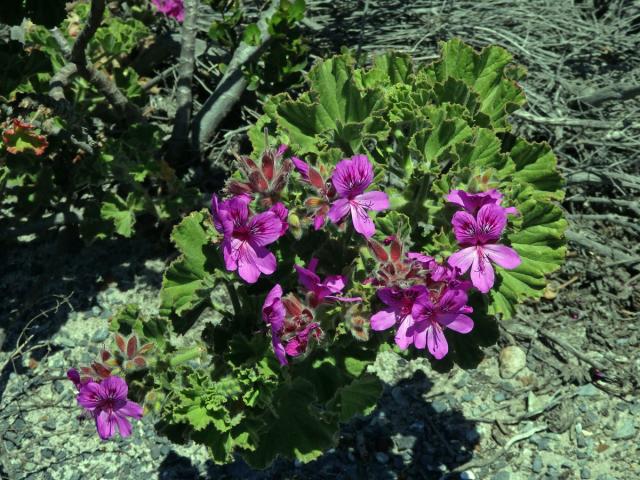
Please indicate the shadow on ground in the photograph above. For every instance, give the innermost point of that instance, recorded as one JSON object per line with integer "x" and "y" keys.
{"x": 408, "y": 436}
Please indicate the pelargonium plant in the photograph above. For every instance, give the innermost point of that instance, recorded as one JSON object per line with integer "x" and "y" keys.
{"x": 389, "y": 207}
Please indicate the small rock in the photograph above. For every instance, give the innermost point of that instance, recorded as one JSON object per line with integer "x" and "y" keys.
{"x": 499, "y": 397}
{"x": 439, "y": 406}
{"x": 624, "y": 431}
{"x": 47, "y": 453}
{"x": 588, "y": 390}
{"x": 467, "y": 475}
{"x": 19, "y": 425}
{"x": 50, "y": 425}
{"x": 382, "y": 457}
{"x": 581, "y": 440}
{"x": 100, "y": 336}
{"x": 472, "y": 436}
{"x": 502, "y": 475}
{"x": 404, "y": 442}
{"x": 468, "y": 397}
{"x": 512, "y": 360}
{"x": 536, "y": 466}
{"x": 585, "y": 473}
{"x": 66, "y": 342}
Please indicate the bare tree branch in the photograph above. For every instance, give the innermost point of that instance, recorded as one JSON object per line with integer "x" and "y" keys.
{"x": 78, "y": 64}
{"x": 232, "y": 84}
{"x": 180, "y": 134}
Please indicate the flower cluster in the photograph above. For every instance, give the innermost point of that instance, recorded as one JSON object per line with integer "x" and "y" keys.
{"x": 171, "y": 8}
{"x": 105, "y": 400}
{"x": 421, "y": 297}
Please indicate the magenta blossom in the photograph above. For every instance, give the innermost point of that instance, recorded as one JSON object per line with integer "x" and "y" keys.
{"x": 438, "y": 272}
{"x": 352, "y": 176}
{"x": 171, "y": 8}
{"x": 321, "y": 290}
{"x": 472, "y": 202}
{"x": 292, "y": 325}
{"x": 430, "y": 318}
{"x": 273, "y": 313}
{"x": 106, "y": 401}
{"x": 398, "y": 311}
{"x": 246, "y": 236}
{"x": 479, "y": 236}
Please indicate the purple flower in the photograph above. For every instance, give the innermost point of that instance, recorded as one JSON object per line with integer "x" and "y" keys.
{"x": 431, "y": 318}
{"x": 273, "y": 313}
{"x": 320, "y": 290}
{"x": 106, "y": 401}
{"x": 438, "y": 272}
{"x": 398, "y": 311}
{"x": 479, "y": 236}
{"x": 171, "y": 8}
{"x": 472, "y": 202}
{"x": 351, "y": 178}
{"x": 246, "y": 235}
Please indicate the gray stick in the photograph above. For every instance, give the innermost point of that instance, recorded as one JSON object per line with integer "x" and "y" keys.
{"x": 231, "y": 86}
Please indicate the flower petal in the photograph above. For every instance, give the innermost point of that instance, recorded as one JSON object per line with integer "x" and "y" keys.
{"x": 131, "y": 409}
{"x": 383, "y": 319}
{"x": 504, "y": 256}
{"x": 266, "y": 228}
{"x": 301, "y": 167}
{"x": 463, "y": 259}
{"x": 124, "y": 426}
{"x": 335, "y": 283}
{"x": 114, "y": 387}
{"x": 455, "y": 321}
{"x": 465, "y": 228}
{"x": 491, "y": 222}
{"x": 402, "y": 338}
{"x": 374, "y": 200}
{"x": 247, "y": 263}
{"x": 352, "y": 176}
{"x": 307, "y": 278}
{"x": 437, "y": 342}
{"x": 362, "y": 223}
{"x": 90, "y": 395}
{"x": 105, "y": 424}
{"x": 482, "y": 274}
{"x": 339, "y": 209}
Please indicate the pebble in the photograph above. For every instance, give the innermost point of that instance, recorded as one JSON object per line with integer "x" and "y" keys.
{"x": 467, "y": 475}
{"x": 585, "y": 474}
{"x": 502, "y": 475}
{"x": 100, "y": 335}
{"x": 624, "y": 431}
{"x": 588, "y": 390}
{"x": 536, "y": 466}
{"x": 50, "y": 424}
{"x": 468, "y": 397}
{"x": 47, "y": 453}
{"x": 399, "y": 397}
{"x": 439, "y": 406}
{"x": 499, "y": 397}
{"x": 472, "y": 436}
{"x": 512, "y": 360}
{"x": 382, "y": 457}
{"x": 404, "y": 442}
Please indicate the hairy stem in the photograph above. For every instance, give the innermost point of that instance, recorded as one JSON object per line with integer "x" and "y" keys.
{"x": 180, "y": 134}
{"x": 232, "y": 84}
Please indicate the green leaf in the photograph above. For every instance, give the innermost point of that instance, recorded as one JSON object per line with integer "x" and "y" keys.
{"x": 485, "y": 73}
{"x": 295, "y": 428}
{"x": 536, "y": 164}
{"x": 122, "y": 213}
{"x": 358, "y": 398}
{"x": 541, "y": 246}
{"x": 251, "y": 34}
{"x": 185, "y": 282}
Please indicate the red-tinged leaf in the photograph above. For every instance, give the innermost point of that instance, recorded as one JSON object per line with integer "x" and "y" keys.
{"x": 147, "y": 347}
{"x": 121, "y": 343}
{"x": 378, "y": 250}
{"x": 21, "y": 137}
{"x": 238, "y": 188}
{"x": 132, "y": 346}
{"x": 316, "y": 179}
{"x": 140, "y": 362}
{"x": 396, "y": 250}
{"x": 267, "y": 165}
{"x": 105, "y": 355}
{"x": 292, "y": 305}
{"x": 258, "y": 182}
{"x": 247, "y": 163}
{"x": 101, "y": 370}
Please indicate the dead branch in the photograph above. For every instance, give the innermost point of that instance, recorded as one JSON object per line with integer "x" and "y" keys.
{"x": 180, "y": 134}
{"x": 231, "y": 85}
{"x": 613, "y": 92}
{"x": 78, "y": 64}
{"x": 589, "y": 244}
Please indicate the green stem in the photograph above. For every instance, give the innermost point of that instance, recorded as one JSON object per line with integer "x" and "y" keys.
{"x": 233, "y": 294}
{"x": 184, "y": 356}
